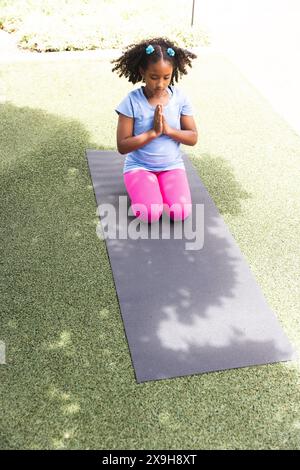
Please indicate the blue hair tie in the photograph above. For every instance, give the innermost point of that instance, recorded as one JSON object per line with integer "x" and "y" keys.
{"x": 149, "y": 49}
{"x": 170, "y": 52}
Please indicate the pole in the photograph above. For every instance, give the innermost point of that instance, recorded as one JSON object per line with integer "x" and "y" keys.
{"x": 193, "y": 13}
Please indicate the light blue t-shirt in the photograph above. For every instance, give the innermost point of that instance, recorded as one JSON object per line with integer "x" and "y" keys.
{"x": 162, "y": 153}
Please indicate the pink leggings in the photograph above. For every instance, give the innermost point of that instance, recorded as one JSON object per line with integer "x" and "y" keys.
{"x": 151, "y": 192}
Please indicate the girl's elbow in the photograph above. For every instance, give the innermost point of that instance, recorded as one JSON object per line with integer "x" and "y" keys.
{"x": 121, "y": 149}
{"x": 195, "y": 139}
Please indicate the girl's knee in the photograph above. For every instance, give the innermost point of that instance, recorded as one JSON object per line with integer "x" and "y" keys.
{"x": 147, "y": 213}
{"x": 180, "y": 211}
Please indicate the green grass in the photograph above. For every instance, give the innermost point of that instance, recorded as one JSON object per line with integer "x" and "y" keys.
{"x": 68, "y": 382}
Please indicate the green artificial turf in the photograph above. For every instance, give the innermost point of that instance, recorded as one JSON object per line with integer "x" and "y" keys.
{"x": 68, "y": 380}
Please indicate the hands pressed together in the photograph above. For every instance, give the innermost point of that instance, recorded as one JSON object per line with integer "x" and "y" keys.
{"x": 160, "y": 124}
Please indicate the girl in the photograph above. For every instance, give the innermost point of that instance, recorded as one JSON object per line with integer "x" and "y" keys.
{"x": 153, "y": 120}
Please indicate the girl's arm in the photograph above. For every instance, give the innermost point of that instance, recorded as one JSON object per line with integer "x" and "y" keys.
{"x": 126, "y": 142}
{"x": 187, "y": 135}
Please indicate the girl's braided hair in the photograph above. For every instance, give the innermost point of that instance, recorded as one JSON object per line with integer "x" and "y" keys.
{"x": 135, "y": 57}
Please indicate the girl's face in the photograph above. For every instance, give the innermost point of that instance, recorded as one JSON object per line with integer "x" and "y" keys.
{"x": 157, "y": 77}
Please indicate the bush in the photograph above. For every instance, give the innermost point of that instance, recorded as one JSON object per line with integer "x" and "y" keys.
{"x": 91, "y": 24}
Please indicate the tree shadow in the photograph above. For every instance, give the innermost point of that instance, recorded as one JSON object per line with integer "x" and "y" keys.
{"x": 218, "y": 177}
{"x": 68, "y": 381}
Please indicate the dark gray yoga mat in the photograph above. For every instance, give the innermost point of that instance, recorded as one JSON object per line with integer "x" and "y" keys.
{"x": 185, "y": 311}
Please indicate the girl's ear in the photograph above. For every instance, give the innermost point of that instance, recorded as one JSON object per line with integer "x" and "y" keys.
{"x": 142, "y": 72}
